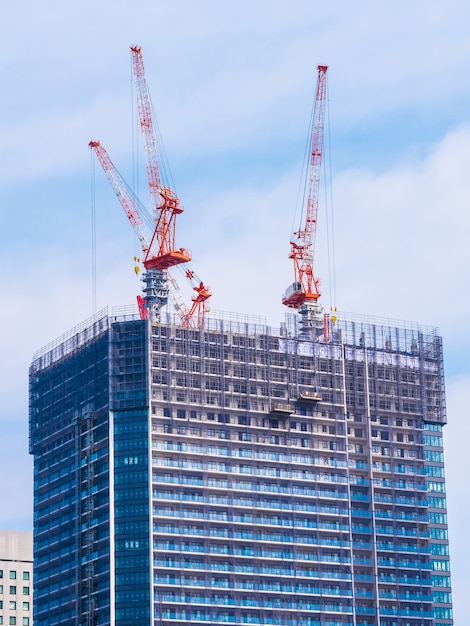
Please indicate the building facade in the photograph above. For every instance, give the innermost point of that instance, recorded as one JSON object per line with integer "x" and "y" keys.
{"x": 240, "y": 474}
{"x": 16, "y": 577}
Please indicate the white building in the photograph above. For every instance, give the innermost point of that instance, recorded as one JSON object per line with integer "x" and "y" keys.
{"x": 16, "y": 577}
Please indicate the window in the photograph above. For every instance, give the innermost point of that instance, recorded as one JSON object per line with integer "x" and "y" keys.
{"x": 25, "y": 621}
{"x": 12, "y": 574}
{"x": 25, "y": 606}
{"x": 1, "y": 573}
{"x": 435, "y": 486}
{"x": 13, "y": 590}
{"x": 12, "y": 605}
{"x": 442, "y": 613}
{"x": 437, "y": 518}
{"x": 433, "y": 456}
{"x": 26, "y": 591}
{"x": 438, "y": 533}
{"x": 436, "y": 502}
{"x": 12, "y": 620}
{"x": 244, "y": 436}
{"x": 435, "y": 427}
{"x": 439, "y": 549}
{"x": 432, "y": 440}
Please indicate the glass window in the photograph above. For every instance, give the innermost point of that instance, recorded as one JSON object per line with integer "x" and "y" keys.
{"x": 12, "y": 620}
{"x": 13, "y": 574}
{"x": 436, "y": 486}
{"x": 438, "y": 533}
{"x": 442, "y": 613}
{"x": 1, "y": 604}
{"x": 13, "y": 590}
{"x": 437, "y": 518}
{"x": 1, "y": 573}
{"x": 1, "y": 588}
{"x": 439, "y": 548}
{"x": 25, "y": 575}
{"x": 25, "y": 606}
{"x": 442, "y": 597}
{"x": 26, "y": 591}
{"x": 12, "y": 605}
{"x": 25, "y": 621}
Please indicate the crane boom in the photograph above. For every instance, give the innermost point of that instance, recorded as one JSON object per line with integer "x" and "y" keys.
{"x": 146, "y": 125}
{"x": 306, "y": 287}
{"x": 121, "y": 191}
{"x": 156, "y": 255}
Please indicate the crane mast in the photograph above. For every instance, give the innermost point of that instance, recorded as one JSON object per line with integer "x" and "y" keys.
{"x": 304, "y": 292}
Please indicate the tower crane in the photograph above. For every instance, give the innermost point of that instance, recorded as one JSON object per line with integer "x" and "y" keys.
{"x": 156, "y": 280}
{"x": 159, "y": 248}
{"x": 304, "y": 292}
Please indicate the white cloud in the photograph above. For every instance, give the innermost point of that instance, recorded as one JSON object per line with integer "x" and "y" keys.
{"x": 406, "y": 231}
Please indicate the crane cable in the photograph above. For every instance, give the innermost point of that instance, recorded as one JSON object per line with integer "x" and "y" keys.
{"x": 303, "y": 180}
{"x": 330, "y": 225}
{"x": 93, "y": 231}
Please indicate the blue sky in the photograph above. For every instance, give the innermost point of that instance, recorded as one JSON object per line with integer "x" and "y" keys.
{"x": 232, "y": 84}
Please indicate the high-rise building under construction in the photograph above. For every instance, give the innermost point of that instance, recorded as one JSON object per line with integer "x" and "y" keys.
{"x": 240, "y": 474}
{"x": 220, "y": 471}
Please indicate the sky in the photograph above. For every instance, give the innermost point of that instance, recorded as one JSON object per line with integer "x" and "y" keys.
{"x": 232, "y": 86}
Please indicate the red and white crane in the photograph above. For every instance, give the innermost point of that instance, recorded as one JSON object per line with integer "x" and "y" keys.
{"x": 304, "y": 292}
{"x": 159, "y": 247}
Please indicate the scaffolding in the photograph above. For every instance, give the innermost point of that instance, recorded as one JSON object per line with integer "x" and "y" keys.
{"x": 286, "y": 475}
